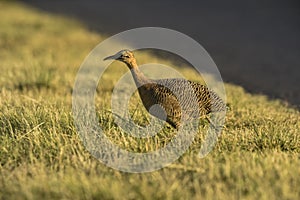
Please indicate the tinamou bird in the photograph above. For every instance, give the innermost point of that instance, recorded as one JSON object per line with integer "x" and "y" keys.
{"x": 171, "y": 96}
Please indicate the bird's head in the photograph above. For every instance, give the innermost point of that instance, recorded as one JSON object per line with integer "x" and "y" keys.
{"x": 125, "y": 56}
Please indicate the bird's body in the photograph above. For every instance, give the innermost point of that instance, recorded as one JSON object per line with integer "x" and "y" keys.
{"x": 173, "y": 96}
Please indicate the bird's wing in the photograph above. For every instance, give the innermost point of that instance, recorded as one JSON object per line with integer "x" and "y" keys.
{"x": 208, "y": 99}
{"x": 177, "y": 96}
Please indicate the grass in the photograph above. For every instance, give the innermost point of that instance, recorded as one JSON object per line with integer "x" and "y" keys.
{"x": 41, "y": 155}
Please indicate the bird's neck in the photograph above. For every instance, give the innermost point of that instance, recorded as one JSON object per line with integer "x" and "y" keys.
{"x": 138, "y": 76}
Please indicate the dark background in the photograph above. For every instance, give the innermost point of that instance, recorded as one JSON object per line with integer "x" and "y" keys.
{"x": 255, "y": 44}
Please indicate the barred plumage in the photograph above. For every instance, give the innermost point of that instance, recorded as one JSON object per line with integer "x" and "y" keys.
{"x": 171, "y": 95}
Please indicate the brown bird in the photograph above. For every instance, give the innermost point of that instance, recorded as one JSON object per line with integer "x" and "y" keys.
{"x": 173, "y": 98}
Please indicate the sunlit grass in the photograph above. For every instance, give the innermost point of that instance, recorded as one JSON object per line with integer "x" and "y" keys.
{"x": 42, "y": 156}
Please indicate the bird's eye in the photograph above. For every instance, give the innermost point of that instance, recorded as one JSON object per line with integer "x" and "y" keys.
{"x": 126, "y": 56}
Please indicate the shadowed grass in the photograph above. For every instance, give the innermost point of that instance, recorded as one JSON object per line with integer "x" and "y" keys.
{"x": 42, "y": 156}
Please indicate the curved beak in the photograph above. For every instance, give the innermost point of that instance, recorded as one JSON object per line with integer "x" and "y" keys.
{"x": 113, "y": 57}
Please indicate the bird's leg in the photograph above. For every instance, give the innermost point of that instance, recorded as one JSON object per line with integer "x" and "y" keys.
{"x": 215, "y": 123}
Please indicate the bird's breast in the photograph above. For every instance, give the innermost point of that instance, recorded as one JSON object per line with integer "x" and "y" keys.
{"x": 147, "y": 96}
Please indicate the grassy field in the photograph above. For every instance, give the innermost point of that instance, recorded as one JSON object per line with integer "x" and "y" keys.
{"x": 42, "y": 157}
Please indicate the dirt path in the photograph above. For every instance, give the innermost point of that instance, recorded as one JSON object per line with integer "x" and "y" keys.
{"x": 255, "y": 45}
